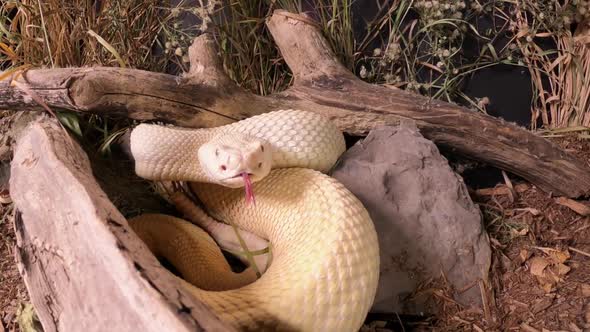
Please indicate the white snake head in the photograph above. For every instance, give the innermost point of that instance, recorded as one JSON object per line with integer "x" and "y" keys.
{"x": 228, "y": 157}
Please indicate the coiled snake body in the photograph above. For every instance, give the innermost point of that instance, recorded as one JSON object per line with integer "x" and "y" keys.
{"x": 325, "y": 257}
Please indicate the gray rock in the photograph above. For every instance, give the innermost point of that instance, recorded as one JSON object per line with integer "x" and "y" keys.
{"x": 425, "y": 219}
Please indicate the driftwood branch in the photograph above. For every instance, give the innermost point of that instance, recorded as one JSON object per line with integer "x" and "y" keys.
{"x": 83, "y": 266}
{"x": 206, "y": 97}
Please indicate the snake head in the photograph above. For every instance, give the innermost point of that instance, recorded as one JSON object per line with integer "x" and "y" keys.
{"x": 227, "y": 158}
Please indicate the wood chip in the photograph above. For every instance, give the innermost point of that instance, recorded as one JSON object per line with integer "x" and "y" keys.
{"x": 561, "y": 270}
{"x": 575, "y": 328}
{"x": 521, "y": 304}
{"x": 556, "y": 255}
{"x": 579, "y": 208}
{"x": 521, "y": 232}
{"x": 526, "y": 327}
{"x": 549, "y": 270}
{"x": 501, "y": 190}
{"x": 457, "y": 318}
{"x": 585, "y": 290}
{"x": 530, "y": 210}
{"x": 511, "y": 191}
{"x": 541, "y": 304}
{"x": 538, "y": 265}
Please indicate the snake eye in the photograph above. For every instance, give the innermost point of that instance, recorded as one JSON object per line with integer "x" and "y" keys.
{"x": 223, "y": 168}
{"x": 259, "y": 164}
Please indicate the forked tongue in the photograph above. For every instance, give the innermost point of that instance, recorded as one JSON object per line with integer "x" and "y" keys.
{"x": 248, "y": 187}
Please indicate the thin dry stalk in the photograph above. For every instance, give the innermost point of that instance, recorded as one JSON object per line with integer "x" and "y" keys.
{"x": 560, "y": 78}
{"x": 56, "y": 32}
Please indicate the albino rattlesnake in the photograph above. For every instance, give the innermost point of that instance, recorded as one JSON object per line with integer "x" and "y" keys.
{"x": 325, "y": 255}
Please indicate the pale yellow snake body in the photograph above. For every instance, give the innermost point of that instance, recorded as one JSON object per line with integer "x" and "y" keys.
{"x": 325, "y": 257}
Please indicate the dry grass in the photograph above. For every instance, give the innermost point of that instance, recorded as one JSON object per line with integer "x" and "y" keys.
{"x": 62, "y": 33}
{"x": 249, "y": 54}
{"x": 560, "y": 76}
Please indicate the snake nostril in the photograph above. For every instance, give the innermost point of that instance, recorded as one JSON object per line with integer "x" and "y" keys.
{"x": 259, "y": 164}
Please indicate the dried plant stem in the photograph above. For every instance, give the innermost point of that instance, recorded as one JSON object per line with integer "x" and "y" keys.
{"x": 45, "y": 33}
{"x": 560, "y": 79}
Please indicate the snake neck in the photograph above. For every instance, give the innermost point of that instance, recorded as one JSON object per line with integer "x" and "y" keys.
{"x": 174, "y": 158}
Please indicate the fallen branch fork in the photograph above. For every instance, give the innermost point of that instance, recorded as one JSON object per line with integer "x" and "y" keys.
{"x": 207, "y": 97}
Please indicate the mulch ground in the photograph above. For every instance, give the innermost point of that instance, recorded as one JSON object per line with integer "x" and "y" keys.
{"x": 540, "y": 271}
{"x": 540, "y": 275}
{"x": 12, "y": 289}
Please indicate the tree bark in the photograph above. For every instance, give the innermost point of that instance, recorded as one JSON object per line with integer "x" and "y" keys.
{"x": 206, "y": 97}
{"x": 84, "y": 267}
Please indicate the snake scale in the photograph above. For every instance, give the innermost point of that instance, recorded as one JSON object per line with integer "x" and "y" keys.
{"x": 325, "y": 258}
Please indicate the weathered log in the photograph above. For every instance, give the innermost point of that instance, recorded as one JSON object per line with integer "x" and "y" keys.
{"x": 83, "y": 266}
{"x": 206, "y": 97}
